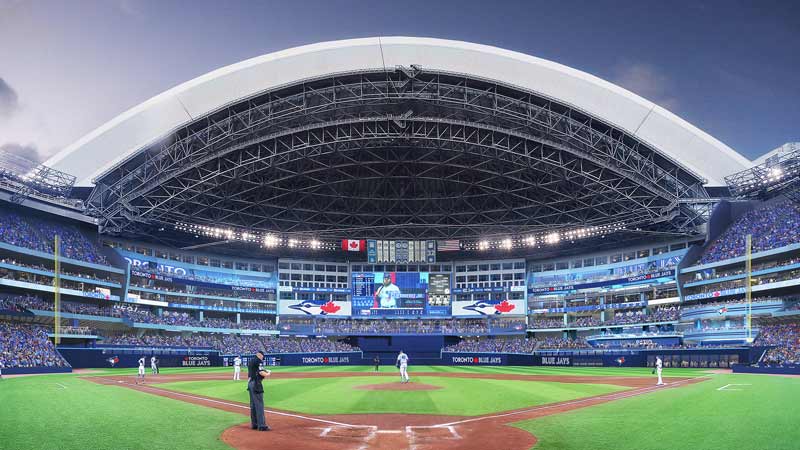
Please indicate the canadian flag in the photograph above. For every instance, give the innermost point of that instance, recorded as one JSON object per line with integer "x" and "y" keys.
{"x": 353, "y": 245}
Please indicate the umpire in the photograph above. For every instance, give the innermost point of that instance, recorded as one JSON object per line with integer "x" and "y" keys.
{"x": 256, "y": 389}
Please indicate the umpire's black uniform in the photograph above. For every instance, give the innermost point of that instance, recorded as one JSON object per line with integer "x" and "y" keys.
{"x": 256, "y": 389}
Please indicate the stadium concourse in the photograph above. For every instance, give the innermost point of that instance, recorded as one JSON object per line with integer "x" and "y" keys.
{"x": 338, "y": 203}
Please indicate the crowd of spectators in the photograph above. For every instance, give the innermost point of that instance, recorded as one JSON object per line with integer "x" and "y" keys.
{"x": 584, "y": 321}
{"x": 772, "y": 226}
{"x": 133, "y": 313}
{"x": 38, "y": 234}
{"x": 88, "y": 276}
{"x": 230, "y": 344}
{"x": 400, "y": 326}
{"x": 26, "y": 345}
{"x": 548, "y": 323}
{"x": 720, "y": 305}
{"x": 786, "y": 341}
{"x": 516, "y": 345}
{"x": 173, "y": 288}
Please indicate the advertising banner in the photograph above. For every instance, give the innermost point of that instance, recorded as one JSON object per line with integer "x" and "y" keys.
{"x": 322, "y": 307}
{"x": 490, "y": 308}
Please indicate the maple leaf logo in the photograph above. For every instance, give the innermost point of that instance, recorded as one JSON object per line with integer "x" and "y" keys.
{"x": 504, "y": 307}
{"x": 330, "y": 308}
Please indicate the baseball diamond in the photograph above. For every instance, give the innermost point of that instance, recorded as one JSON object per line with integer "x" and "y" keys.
{"x": 320, "y": 237}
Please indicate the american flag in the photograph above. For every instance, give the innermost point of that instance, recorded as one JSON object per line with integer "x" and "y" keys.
{"x": 448, "y": 246}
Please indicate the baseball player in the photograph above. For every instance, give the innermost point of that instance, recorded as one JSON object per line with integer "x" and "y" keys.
{"x": 659, "y": 365}
{"x": 237, "y": 368}
{"x": 402, "y": 364}
{"x": 387, "y": 294}
{"x": 377, "y": 362}
{"x": 153, "y": 367}
{"x": 141, "y": 371}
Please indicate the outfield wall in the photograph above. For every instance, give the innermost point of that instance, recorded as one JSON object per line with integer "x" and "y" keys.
{"x": 741, "y": 368}
{"x": 80, "y": 358}
{"x": 35, "y": 370}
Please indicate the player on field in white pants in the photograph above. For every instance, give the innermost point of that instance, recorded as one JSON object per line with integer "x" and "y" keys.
{"x": 140, "y": 376}
{"x": 237, "y": 368}
{"x": 659, "y": 365}
{"x": 402, "y": 364}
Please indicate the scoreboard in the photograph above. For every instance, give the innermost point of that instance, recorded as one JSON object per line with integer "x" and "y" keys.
{"x": 401, "y": 252}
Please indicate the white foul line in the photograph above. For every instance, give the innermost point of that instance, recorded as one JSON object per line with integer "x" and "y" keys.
{"x": 236, "y": 405}
{"x": 614, "y": 396}
{"x": 733, "y": 384}
{"x": 62, "y": 386}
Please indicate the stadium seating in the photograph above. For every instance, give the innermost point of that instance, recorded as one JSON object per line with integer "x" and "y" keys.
{"x": 772, "y": 226}
{"x": 37, "y": 234}
{"x": 786, "y": 341}
{"x": 231, "y": 344}
{"x": 25, "y": 345}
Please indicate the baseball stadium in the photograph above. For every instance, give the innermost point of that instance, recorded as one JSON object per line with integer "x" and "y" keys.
{"x": 399, "y": 243}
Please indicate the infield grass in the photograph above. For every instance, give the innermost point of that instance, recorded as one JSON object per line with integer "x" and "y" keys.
{"x": 458, "y": 396}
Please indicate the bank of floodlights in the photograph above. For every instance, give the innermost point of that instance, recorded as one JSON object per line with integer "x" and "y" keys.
{"x": 264, "y": 239}
{"x": 544, "y": 239}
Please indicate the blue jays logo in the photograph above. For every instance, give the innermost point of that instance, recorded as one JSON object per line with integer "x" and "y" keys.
{"x": 316, "y": 307}
{"x": 490, "y": 307}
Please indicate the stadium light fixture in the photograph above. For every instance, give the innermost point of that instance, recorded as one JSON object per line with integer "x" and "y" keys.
{"x": 552, "y": 238}
{"x": 270, "y": 241}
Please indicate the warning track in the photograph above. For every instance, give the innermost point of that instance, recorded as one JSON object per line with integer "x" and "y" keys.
{"x": 393, "y": 431}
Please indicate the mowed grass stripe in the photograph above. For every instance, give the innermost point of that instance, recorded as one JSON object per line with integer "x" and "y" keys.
{"x": 697, "y": 416}
{"x": 459, "y": 396}
{"x": 38, "y": 414}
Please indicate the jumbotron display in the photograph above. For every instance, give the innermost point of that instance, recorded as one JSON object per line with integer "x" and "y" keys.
{"x": 400, "y": 294}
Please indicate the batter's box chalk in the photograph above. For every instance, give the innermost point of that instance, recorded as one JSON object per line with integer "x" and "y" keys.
{"x": 422, "y": 433}
{"x": 345, "y": 432}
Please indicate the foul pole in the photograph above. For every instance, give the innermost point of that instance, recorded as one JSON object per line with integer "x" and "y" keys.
{"x": 57, "y": 291}
{"x": 748, "y": 288}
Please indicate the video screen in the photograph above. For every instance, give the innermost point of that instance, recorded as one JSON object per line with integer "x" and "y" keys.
{"x": 400, "y": 293}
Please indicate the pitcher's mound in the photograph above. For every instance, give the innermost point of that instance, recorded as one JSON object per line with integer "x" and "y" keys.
{"x": 398, "y": 386}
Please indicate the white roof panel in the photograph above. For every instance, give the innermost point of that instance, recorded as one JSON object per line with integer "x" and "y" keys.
{"x": 120, "y": 138}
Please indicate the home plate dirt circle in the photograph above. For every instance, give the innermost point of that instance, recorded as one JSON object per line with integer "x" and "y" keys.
{"x": 398, "y": 386}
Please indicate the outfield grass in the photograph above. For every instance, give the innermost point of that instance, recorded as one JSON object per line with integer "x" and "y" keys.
{"x": 458, "y": 396}
{"x": 519, "y": 370}
{"x": 63, "y": 412}
{"x": 762, "y": 416}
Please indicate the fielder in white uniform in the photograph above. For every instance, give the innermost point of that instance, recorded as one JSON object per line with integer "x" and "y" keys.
{"x": 153, "y": 367}
{"x": 402, "y": 361}
{"x": 659, "y": 365}
{"x": 237, "y": 368}
{"x": 141, "y": 370}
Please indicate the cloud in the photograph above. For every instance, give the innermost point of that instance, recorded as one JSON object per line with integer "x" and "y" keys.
{"x": 9, "y": 100}
{"x": 29, "y": 151}
{"x": 129, "y": 7}
{"x": 647, "y": 81}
